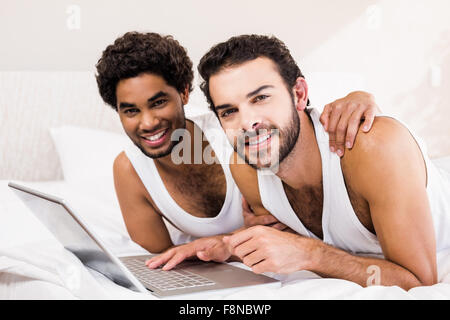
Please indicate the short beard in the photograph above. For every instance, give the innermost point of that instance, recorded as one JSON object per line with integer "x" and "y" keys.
{"x": 290, "y": 134}
{"x": 162, "y": 153}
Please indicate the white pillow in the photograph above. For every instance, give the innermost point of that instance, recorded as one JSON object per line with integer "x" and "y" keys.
{"x": 443, "y": 163}
{"x": 87, "y": 154}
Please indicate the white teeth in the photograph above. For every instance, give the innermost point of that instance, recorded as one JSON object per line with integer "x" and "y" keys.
{"x": 156, "y": 136}
{"x": 261, "y": 139}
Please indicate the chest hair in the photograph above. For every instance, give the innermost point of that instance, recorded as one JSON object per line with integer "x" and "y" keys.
{"x": 307, "y": 203}
{"x": 201, "y": 191}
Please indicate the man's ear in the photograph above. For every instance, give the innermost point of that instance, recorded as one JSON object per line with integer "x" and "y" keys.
{"x": 185, "y": 96}
{"x": 300, "y": 91}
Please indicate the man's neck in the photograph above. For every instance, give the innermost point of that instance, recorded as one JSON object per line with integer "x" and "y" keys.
{"x": 303, "y": 165}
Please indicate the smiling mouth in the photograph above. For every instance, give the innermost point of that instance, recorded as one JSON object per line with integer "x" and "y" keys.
{"x": 258, "y": 141}
{"x": 155, "y": 139}
{"x": 156, "y": 136}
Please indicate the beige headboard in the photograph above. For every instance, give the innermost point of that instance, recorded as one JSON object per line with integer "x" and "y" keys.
{"x": 33, "y": 102}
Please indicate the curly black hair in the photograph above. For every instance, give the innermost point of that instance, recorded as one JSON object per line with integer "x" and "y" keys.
{"x": 240, "y": 49}
{"x": 135, "y": 53}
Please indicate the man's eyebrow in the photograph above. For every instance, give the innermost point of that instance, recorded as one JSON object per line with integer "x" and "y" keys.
{"x": 255, "y": 92}
{"x": 249, "y": 95}
{"x": 158, "y": 95}
{"x": 124, "y": 105}
{"x": 222, "y": 106}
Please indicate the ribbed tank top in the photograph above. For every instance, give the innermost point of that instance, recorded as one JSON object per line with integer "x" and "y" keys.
{"x": 190, "y": 227}
{"x": 341, "y": 227}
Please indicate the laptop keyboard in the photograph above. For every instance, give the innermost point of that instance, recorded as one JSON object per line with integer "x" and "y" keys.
{"x": 166, "y": 280}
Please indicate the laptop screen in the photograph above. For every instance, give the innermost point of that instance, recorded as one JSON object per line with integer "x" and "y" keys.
{"x": 71, "y": 232}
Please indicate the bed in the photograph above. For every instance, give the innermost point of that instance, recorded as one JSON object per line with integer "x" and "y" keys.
{"x": 34, "y": 265}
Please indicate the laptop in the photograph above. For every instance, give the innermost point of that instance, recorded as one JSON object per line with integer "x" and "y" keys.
{"x": 130, "y": 271}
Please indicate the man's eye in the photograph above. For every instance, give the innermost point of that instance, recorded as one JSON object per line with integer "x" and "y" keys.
{"x": 260, "y": 97}
{"x": 131, "y": 111}
{"x": 159, "y": 102}
{"x": 228, "y": 112}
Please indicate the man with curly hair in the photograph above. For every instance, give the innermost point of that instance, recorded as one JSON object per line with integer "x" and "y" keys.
{"x": 147, "y": 79}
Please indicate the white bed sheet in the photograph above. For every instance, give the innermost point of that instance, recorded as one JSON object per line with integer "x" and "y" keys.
{"x": 33, "y": 265}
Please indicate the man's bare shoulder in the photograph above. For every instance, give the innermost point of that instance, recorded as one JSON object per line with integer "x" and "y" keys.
{"x": 381, "y": 152}
{"x": 123, "y": 168}
{"x": 126, "y": 177}
{"x": 122, "y": 162}
{"x": 387, "y": 137}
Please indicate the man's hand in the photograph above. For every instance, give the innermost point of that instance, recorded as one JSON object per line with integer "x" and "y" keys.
{"x": 342, "y": 119}
{"x": 206, "y": 249}
{"x": 251, "y": 219}
{"x": 266, "y": 249}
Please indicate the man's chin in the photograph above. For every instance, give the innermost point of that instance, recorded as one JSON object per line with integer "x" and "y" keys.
{"x": 157, "y": 153}
{"x": 261, "y": 163}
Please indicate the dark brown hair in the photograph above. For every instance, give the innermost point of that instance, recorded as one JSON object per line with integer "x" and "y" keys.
{"x": 240, "y": 49}
{"x": 135, "y": 53}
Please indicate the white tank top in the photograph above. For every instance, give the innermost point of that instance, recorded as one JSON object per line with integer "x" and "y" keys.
{"x": 341, "y": 227}
{"x": 190, "y": 227}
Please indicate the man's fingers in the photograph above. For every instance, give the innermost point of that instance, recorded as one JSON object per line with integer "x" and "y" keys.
{"x": 279, "y": 226}
{"x": 172, "y": 255}
{"x": 368, "y": 121}
{"x": 250, "y": 219}
{"x": 261, "y": 267}
{"x": 158, "y": 260}
{"x": 176, "y": 259}
{"x": 352, "y": 129}
{"x": 254, "y": 220}
{"x": 155, "y": 262}
{"x": 204, "y": 255}
{"x": 253, "y": 258}
{"x": 268, "y": 219}
{"x": 217, "y": 253}
{"x": 332, "y": 126}
{"x": 244, "y": 249}
{"x": 341, "y": 130}
{"x": 239, "y": 237}
{"x": 245, "y": 205}
{"x": 324, "y": 117}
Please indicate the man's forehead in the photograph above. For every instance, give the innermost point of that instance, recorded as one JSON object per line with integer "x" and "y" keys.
{"x": 244, "y": 78}
{"x": 142, "y": 85}
{"x": 259, "y": 66}
{"x": 142, "y": 80}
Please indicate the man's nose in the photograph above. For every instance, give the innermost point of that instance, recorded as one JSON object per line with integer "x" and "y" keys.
{"x": 148, "y": 121}
{"x": 250, "y": 119}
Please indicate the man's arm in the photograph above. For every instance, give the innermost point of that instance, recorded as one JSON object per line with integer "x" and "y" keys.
{"x": 387, "y": 169}
{"x": 246, "y": 179}
{"x": 145, "y": 226}
{"x": 265, "y": 249}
